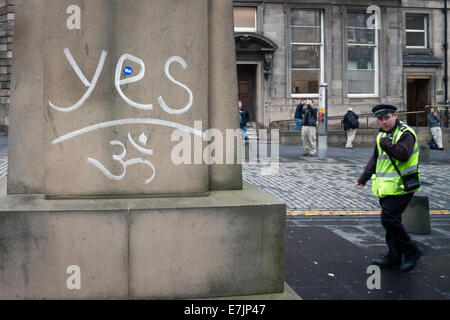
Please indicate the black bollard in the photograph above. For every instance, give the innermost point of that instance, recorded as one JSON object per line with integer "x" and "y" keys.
{"x": 416, "y": 218}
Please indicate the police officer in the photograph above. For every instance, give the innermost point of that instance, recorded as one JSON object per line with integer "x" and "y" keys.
{"x": 396, "y": 142}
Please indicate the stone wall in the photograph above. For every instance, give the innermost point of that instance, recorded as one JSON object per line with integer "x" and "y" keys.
{"x": 6, "y": 39}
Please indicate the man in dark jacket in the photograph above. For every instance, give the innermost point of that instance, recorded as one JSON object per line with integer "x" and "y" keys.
{"x": 243, "y": 119}
{"x": 298, "y": 115}
{"x": 309, "y": 128}
{"x": 350, "y": 125}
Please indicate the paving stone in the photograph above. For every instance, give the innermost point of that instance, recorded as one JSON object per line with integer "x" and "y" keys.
{"x": 314, "y": 185}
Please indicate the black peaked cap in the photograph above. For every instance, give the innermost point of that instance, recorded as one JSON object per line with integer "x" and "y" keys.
{"x": 382, "y": 109}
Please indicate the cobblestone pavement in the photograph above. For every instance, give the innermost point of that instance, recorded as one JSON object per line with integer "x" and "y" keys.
{"x": 3, "y": 167}
{"x": 307, "y": 184}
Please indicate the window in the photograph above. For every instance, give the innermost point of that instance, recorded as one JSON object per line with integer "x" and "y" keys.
{"x": 362, "y": 56}
{"x": 306, "y": 52}
{"x": 416, "y": 31}
{"x": 244, "y": 19}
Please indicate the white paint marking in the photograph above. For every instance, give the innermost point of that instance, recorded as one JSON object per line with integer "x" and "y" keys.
{"x": 83, "y": 79}
{"x": 105, "y": 171}
{"x": 126, "y": 164}
{"x": 139, "y": 148}
{"x": 128, "y": 122}
{"x": 161, "y": 101}
{"x": 143, "y": 139}
{"x": 118, "y": 82}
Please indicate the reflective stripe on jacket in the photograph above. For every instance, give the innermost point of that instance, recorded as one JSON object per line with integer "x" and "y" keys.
{"x": 386, "y": 181}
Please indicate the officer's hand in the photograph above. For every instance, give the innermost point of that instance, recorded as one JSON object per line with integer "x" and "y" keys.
{"x": 385, "y": 142}
{"x": 358, "y": 185}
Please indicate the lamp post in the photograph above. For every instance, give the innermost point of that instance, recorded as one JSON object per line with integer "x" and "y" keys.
{"x": 323, "y": 122}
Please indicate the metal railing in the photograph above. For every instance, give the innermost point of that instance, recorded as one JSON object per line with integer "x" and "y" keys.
{"x": 364, "y": 119}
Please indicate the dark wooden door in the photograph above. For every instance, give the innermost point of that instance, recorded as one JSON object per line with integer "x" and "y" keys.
{"x": 246, "y": 87}
{"x": 418, "y": 98}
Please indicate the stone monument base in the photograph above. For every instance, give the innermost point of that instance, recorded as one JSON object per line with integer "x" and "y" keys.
{"x": 229, "y": 243}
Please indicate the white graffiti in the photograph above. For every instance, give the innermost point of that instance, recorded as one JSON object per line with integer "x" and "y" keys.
{"x": 118, "y": 82}
{"x": 121, "y": 122}
{"x": 191, "y": 97}
{"x": 125, "y": 164}
{"x": 91, "y": 85}
{"x": 142, "y": 140}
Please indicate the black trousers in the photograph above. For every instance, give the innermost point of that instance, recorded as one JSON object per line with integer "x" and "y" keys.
{"x": 397, "y": 238}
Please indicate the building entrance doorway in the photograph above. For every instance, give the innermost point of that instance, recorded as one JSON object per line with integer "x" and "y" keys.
{"x": 247, "y": 88}
{"x": 418, "y": 97}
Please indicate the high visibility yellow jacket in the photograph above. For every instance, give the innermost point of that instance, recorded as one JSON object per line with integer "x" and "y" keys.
{"x": 386, "y": 181}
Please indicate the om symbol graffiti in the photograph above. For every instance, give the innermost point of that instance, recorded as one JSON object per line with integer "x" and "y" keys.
{"x": 125, "y": 164}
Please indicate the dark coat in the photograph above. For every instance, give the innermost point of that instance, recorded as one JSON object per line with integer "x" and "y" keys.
{"x": 347, "y": 122}
{"x": 298, "y": 111}
{"x": 243, "y": 117}
{"x": 309, "y": 116}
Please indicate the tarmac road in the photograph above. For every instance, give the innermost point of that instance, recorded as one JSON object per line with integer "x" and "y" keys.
{"x": 327, "y": 259}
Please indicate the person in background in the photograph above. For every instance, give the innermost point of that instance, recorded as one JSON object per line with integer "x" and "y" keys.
{"x": 298, "y": 115}
{"x": 351, "y": 123}
{"x": 434, "y": 122}
{"x": 243, "y": 119}
{"x": 309, "y": 128}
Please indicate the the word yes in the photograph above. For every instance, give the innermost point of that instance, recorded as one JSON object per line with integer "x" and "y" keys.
{"x": 120, "y": 82}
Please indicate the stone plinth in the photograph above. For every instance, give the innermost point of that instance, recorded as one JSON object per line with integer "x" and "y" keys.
{"x": 229, "y": 243}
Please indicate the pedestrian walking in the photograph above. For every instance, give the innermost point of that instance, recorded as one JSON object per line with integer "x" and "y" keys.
{"x": 243, "y": 119}
{"x": 298, "y": 115}
{"x": 309, "y": 128}
{"x": 351, "y": 123}
{"x": 434, "y": 122}
{"x": 394, "y": 168}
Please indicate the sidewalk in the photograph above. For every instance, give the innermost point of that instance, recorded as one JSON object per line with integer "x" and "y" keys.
{"x": 310, "y": 184}
{"x": 327, "y": 259}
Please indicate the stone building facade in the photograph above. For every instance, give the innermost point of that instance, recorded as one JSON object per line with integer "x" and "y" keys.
{"x": 6, "y": 39}
{"x": 285, "y": 49}
{"x": 397, "y": 58}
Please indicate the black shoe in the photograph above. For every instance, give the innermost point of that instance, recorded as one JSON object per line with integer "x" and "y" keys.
{"x": 411, "y": 260}
{"x": 441, "y": 149}
{"x": 386, "y": 262}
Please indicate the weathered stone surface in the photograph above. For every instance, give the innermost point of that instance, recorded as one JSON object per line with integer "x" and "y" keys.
{"x": 71, "y": 143}
{"x": 229, "y": 243}
{"x": 230, "y": 246}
